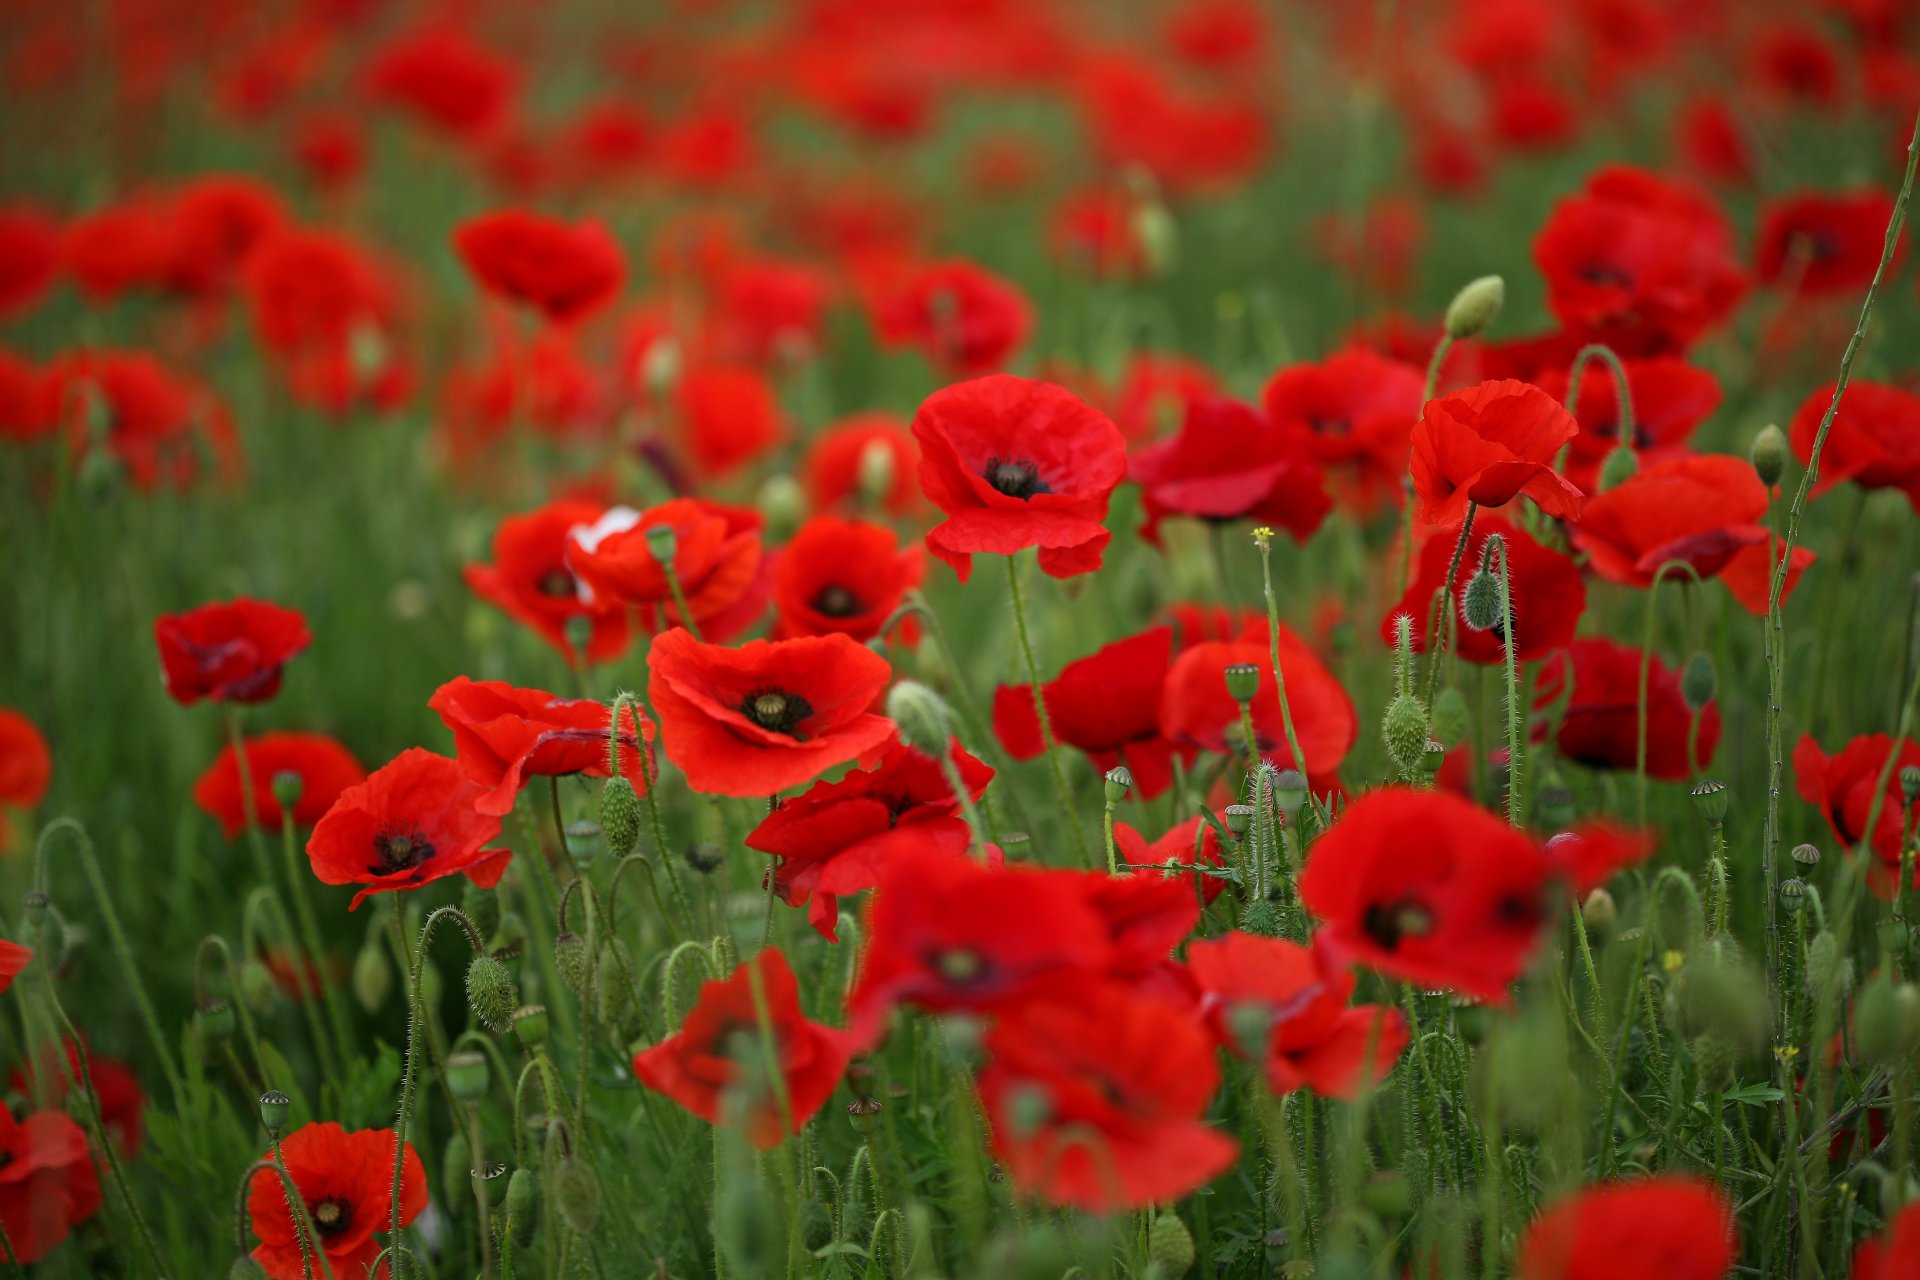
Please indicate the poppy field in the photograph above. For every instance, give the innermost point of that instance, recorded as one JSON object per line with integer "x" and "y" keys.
{"x": 1011, "y": 639}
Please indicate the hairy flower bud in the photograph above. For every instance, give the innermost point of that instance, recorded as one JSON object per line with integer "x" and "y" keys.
{"x": 1261, "y": 918}
{"x": 1769, "y": 455}
{"x": 922, "y": 716}
{"x": 576, "y": 1195}
{"x": 570, "y": 957}
{"x": 619, "y": 816}
{"x": 1877, "y": 1020}
{"x": 1600, "y": 913}
{"x": 372, "y": 978}
{"x": 1451, "y": 719}
{"x": 482, "y": 906}
{"x": 491, "y": 993}
{"x": 1170, "y": 1245}
{"x": 1483, "y": 604}
{"x": 1618, "y": 467}
{"x": 747, "y": 1221}
{"x": 1475, "y": 306}
{"x": 523, "y": 1206}
{"x": 1405, "y": 732}
{"x": 876, "y": 473}
{"x": 258, "y": 991}
{"x": 1716, "y": 1058}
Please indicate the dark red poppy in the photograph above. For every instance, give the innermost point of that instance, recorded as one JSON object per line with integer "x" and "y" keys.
{"x": 346, "y": 1179}
{"x": 505, "y": 736}
{"x": 1450, "y": 160}
{"x": 322, "y": 765}
{"x": 1017, "y": 463}
{"x": 1662, "y": 1227}
{"x": 1821, "y": 244}
{"x": 531, "y": 581}
{"x": 605, "y": 141}
{"x": 232, "y": 651}
{"x": 1228, "y": 462}
{"x": 1632, "y": 249}
{"x": 47, "y": 1181}
{"x": 1842, "y": 786}
{"x": 1190, "y": 844}
{"x": 1487, "y": 446}
{"x": 1713, "y": 142}
{"x": 699, "y": 1065}
{"x": 115, "y": 1087}
{"x": 1702, "y": 511}
{"x": 844, "y": 576}
{"x": 725, "y": 416}
{"x": 835, "y": 839}
{"x": 330, "y": 149}
{"x": 1106, "y": 704}
{"x": 1430, "y": 888}
{"x": 26, "y": 764}
{"x": 1671, "y": 398}
{"x": 1222, "y": 35}
{"x": 768, "y": 715}
{"x": 864, "y": 449}
{"x": 1096, "y": 232}
{"x": 1293, "y": 999}
{"x": 25, "y": 414}
{"x": 1355, "y": 412}
{"x": 565, "y": 272}
{"x": 1874, "y": 440}
{"x": 765, "y": 308}
{"x": 439, "y": 75}
{"x": 1154, "y": 393}
{"x": 1549, "y": 594}
{"x": 316, "y": 291}
{"x": 160, "y": 426}
{"x": 717, "y": 561}
{"x": 29, "y": 257}
{"x": 1097, "y": 1101}
{"x": 1600, "y": 727}
{"x": 411, "y": 822}
{"x": 1893, "y": 1255}
{"x": 216, "y": 224}
{"x": 1593, "y": 852}
{"x": 964, "y": 319}
{"x": 1196, "y": 709}
{"x": 1793, "y": 61}
{"x": 13, "y": 961}
{"x": 119, "y": 249}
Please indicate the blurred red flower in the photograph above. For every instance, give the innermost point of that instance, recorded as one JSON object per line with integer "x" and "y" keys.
{"x": 441, "y": 76}
{"x": 1894, "y": 1255}
{"x": 840, "y": 461}
{"x": 1843, "y": 785}
{"x": 411, "y": 822}
{"x": 1549, "y": 595}
{"x": 564, "y": 272}
{"x": 47, "y": 1181}
{"x": 26, "y": 413}
{"x": 1671, "y": 398}
{"x": 504, "y": 736}
{"x": 1874, "y": 440}
{"x": 1196, "y": 709}
{"x": 346, "y": 1180}
{"x": 1229, "y": 462}
{"x": 1355, "y": 412}
{"x": 966, "y": 320}
{"x": 1821, "y": 244}
{"x": 323, "y": 767}
{"x": 231, "y": 651}
{"x": 845, "y": 576}
{"x": 1601, "y": 725}
{"x": 29, "y": 257}
{"x": 26, "y": 764}
{"x": 159, "y": 425}
{"x": 717, "y": 560}
{"x": 725, "y": 416}
{"x": 13, "y": 961}
{"x": 531, "y": 581}
{"x": 1661, "y": 1227}
{"x": 1177, "y": 849}
{"x": 1489, "y": 445}
{"x": 115, "y": 1088}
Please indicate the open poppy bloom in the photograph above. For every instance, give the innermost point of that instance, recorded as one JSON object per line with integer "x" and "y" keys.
{"x": 966, "y": 320}
{"x": 1842, "y": 786}
{"x": 160, "y": 426}
{"x": 1671, "y": 398}
{"x": 322, "y": 765}
{"x": 1488, "y": 445}
{"x": 844, "y": 576}
{"x": 717, "y": 559}
{"x": 835, "y": 839}
{"x": 26, "y": 766}
{"x": 503, "y": 736}
{"x": 1893, "y": 1255}
{"x": 1286, "y": 1005}
{"x": 230, "y": 652}
{"x": 411, "y": 822}
{"x": 1548, "y": 596}
{"x": 1097, "y": 1101}
{"x": 1017, "y": 463}
{"x": 768, "y": 715}
{"x": 532, "y": 583}
{"x": 346, "y": 1180}
{"x": 720, "y": 1047}
{"x": 725, "y": 416}
{"x": 1229, "y": 463}
{"x": 564, "y": 272}
{"x": 439, "y": 75}
{"x": 1196, "y": 710}
{"x": 47, "y": 1181}
{"x": 1663, "y": 1227}
{"x": 1819, "y": 243}
{"x": 1106, "y": 704}
{"x": 13, "y": 961}
{"x": 1185, "y": 846}
{"x": 1354, "y": 411}
{"x": 115, "y": 1087}
{"x": 1430, "y": 888}
{"x": 1702, "y": 511}
{"x": 1874, "y": 440}
{"x": 1601, "y": 725}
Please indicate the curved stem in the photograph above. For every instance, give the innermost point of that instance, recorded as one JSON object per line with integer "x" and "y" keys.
{"x": 1444, "y": 632}
{"x": 1265, "y": 543}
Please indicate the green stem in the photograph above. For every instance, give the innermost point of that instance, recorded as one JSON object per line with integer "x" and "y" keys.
{"x": 1450, "y": 605}
{"x": 1516, "y": 806}
{"x": 1040, "y": 710}
{"x": 1273, "y": 651}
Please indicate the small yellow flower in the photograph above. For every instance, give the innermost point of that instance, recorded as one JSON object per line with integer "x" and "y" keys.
{"x": 1672, "y": 960}
{"x": 1786, "y": 1053}
{"x": 1263, "y": 536}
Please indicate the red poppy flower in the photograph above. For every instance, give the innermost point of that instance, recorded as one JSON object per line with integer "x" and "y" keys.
{"x": 725, "y": 416}
{"x": 25, "y": 414}
{"x": 531, "y": 581}
{"x": 835, "y": 839}
{"x": 1713, "y": 142}
{"x": 26, "y": 765}
{"x": 441, "y": 76}
{"x": 322, "y": 765}
{"x": 1188, "y": 141}
{"x": 13, "y": 961}
{"x": 1155, "y": 391}
{"x": 1097, "y": 1101}
{"x": 1355, "y": 412}
{"x": 1549, "y": 594}
{"x": 1874, "y": 440}
{"x": 346, "y": 1180}
{"x": 47, "y": 1181}
{"x": 1177, "y": 850}
{"x": 1218, "y": 34}
{"x": 217, "y": 222}
{"x": 841, "y": 458}
{"x": 965, "y": 320}
{"x": 1671, "y": 398}
{"x": 1795, "y": 62}
{"x": 159, "y": 425}
{"x": 1895, "y": 1254}
{"x": 503, "y": 736}
{"x": 768, "y": 715}
{"x": 1229, "y": 463}
{"x": 1429, "y": 888}
{"x": 1487, "y": 446}
{"x": 1015, "y": 464}
{"x": 564, "y": 272}
{"x": 115, "y": 1087}
{"x": 411, "y": 822}
{"x": 843, "y": 576}
{"x": 1592, "y": 853}
{"x": 1819, "y": 244}
{"x": 233, "y": 651}
{"x": 1296, "y": 996}
{"x": 717, "y": 560}
{"x": 699, "y": 1064}
{"x": 1106, "y": 704}
{"x": 1094, "y": 232}
{"x": 1843, "y": 785}
{"x": 1702, "y": 511}
{"x": 765, "y": 309}
{"x": 330, "y": 149}
{"x": 1196, "y": 709}
{"x": 118, "y": 249}
{"x": 1663, "y": 1227}
{"x": 29, "y": 257}
{"x": 1601, "y": 725}
{"x": 316, "y": 291}
{"x": 1633, "y": 249}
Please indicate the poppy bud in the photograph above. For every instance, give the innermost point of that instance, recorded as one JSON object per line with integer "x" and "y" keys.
{"x": 1251, "y": 1026}
{"x": 1769, "y": 455}
{"x": 491, "y": 994}
{"x": 1451, "y": 719}
{"x": 1910, "y": 783}
{"x": 583, "y": 841}
{"x": 783, "y": 504}
{"x": 661, "y": 366}
{"x": 1710, "y": 800}
{"x": 619, "y": 816}
{"x": 1717, "y": 991}
{"x": 256, "y": 987}
{"x": 875, "y": 473}
{"x": 1618, "y": 467}
{"x": 454, "y": 1160}
{"x": 1600, "y": 913}
{"x": 1170, "y": 1246}
{"x": 1388, "y": 1194}
{"x": 1405, "y": 731}
{"x": 1243, "y": 681}
{"x": 467, "y": 1075}
{"x": 923, "y": 718}
{"x": 663, "y": 543}
{"x": 1119, "y": 782}
{"x": 274, "y": 1106}
{"x": 570, "y": 957}
{"x": 1699, "y": 681}
{"x": 1029, "y": 1107}
{"x": 1877, "y": 1020}
{"x": 1261, "y": 918}
{"x": 214, "y": 1021}
{"x": 1475, "y": 306}
{"x": 816, "y": 1224}
{"x": 747, "y": 1221}
{"x": 1793, "y": 896}
{"x": 371, "y": 980}
{"x": 523, "y": 1205}
{"x": 1893, "y": 934}
{"x": 1239, "y": 818}
{"x": 287, "y": 786}
{"x": 1806, "y": 855}
{"x": 1826, "y": 967}
{"x": 35, "y": 904}
{"x": 1158, "y": 236}
{"x": 530, "y": 1026}
{"x": 482, "y": 906}
{"x": 704, "y": 857}
{"x": 1290, "y": 790}
{"x": 492, "y": 1180}
{"x": 576, "y": 1194}
{"x": 1716, "y": 1058}
{"x": 1483, "y": 605}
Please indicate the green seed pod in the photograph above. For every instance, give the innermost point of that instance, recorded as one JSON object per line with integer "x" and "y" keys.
{"x": 214, "y": 1022}
{"x": 1619, "y": 466}
{"x": 1716, "y": 1058}
{"x": 1452, "y": 722}
{"x": 1769, "y": 455}
{"x": 1170, "y": 1246}
{"x": 704, "y": 857}
{"x": 576, "y": 1195}
{"x": 619, "y": 816}
{"x": 523, "y": 1206}
{"x": 1239, "y": 818}
{"x": 1877, "y": 1020}
{"x": 748, "y": 1223}
{"x": 1555, "y": 806}
{"x": 1717, "y": 991}
{"x": 1910, "y": 783}
{"x": 1261, "y": 919}
{"x": 491, "y": 1180}
{"x": 1290, "y": 790}
{"x": 1793, "y": 896}
{"x": 287, "y": 786}
{"x": 467, "y": 1075}
{"x": 372, "y": 978}
{"x": 1806, "y": 855}
{"x": 583, "y": 842}
{"x": 530, "y": 1026}
{"x": 1894, "y": 935}
{"x": 1243, "y": 681}
{"x": 274, "y": 1106}
{"x": 1710, "y": 800}
{"x": 1119, "y": 781}
{"x": 922, "y": 717}
{"x": 1483, "y": 605}
{"x": 257, "y": 988}
{"x": 816, "y": 1224}
{"x": 570, "y": 957}
{"x": 1405, "y": 731}
{"x": 1699, "y": 681}
{"x": 491, "y": 993}
{"x": 1475, "y": 306}
{"x": 34, "y": 905}
{"x": 1826, "y": 967}
{"x": 482, "y": 906}
{"x": 455, "y": 1158}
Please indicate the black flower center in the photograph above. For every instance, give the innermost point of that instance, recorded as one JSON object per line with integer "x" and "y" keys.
{"x": 836, "y": 601}
{"x": 330, "y": 1216}
{"x": 959, "y": 966}
{"x": 399, "y": 849}
{"x": 1604, "y": 273}
{"x": 1336, "y": 427}
{"x": 776, "y": 710}
{"x": 557, "y": 583}
{"x": 1016, "y": 477}
{"x": 1389, "y": 923}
